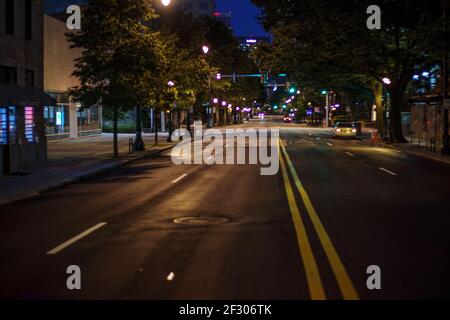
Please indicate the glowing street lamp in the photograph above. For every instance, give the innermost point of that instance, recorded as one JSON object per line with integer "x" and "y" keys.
{"x": 387, "y": 81}
{"x": 224, "y": 103}
{"x": 165, "y": 3}
{"x": 215, "y": 100}
{"x": 205, "y": 49}
{"x": 171, "y": 83}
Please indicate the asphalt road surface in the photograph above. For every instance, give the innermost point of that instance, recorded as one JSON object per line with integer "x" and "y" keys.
{"x": 335, "y": 208}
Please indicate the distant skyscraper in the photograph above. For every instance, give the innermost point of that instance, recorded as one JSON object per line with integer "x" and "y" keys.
{"x": 199, "y": 7}
{"x": 249, "y": 43}
{"x": 225, "y": 18}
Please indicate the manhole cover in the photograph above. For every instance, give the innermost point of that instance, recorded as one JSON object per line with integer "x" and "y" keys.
{"x": 201, "y": 221}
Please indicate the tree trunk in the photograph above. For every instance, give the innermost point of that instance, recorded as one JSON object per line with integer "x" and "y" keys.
{"x": 115, "y": 132}
{"x": 395, "y": 114}
{"x": 378, "y": 95}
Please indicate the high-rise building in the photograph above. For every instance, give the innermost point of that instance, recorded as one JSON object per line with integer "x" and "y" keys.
{"x": 251, "y": 42}
{"x": 199, "y": 7}
{"x": 224, "y": 17}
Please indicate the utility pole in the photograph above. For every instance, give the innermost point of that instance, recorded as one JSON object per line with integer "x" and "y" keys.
{"x": 327, "y": 110}
{"x": 445, "y": 100}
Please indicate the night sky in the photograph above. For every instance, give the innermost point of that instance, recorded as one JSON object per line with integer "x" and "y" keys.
{"x": 243, "y": 16}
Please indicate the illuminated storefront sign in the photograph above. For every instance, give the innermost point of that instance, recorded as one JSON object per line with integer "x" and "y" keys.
{"x": 3, "y": 126}
{"x": 29, "y": 124}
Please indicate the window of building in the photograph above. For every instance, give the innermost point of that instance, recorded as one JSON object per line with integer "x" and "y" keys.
{"x": 28, "y": 19}
{"x": 29, "y": 124}
{"x": 88, "y": 119}
{"x": 3, "y": 125}
{"x": 13, "y": 139}
{"x": 204, "y": 6}
{"x": 7, "y": 16}
{"x": 56, "y": 119}
{"x": 29, "y": 78}
{"x": 8, "y": 75}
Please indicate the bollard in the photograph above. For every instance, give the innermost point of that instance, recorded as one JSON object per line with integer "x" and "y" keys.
{"x": 130, "y": 146}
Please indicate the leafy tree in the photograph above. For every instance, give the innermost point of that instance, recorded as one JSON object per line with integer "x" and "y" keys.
{"x": 121, "y": 59}
{"x": 328, "y": 43}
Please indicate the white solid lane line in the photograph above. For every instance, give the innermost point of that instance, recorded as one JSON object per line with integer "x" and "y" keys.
{"x": 180, "y": 178}
{"x": 388, "y": 171}
{"x": 350, "y": 154}
{"x": 329, "y": 144}
{"x": 75, "y": 239}
{"x": 318, "y": 138}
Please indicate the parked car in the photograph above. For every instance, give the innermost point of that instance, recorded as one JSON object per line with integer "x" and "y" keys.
{"x": 287, "y": 120}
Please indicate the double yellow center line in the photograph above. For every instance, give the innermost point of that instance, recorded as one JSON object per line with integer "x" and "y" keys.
{"x": 315, "y": 285}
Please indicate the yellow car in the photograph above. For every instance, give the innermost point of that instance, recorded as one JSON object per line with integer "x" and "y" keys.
{"x": 345, "y": 130}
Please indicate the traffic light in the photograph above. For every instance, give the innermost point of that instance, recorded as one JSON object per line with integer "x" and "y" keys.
{"x": 292, "y": 88}
{"x": 324, "y": 92}
{"x": 275, "y": 107}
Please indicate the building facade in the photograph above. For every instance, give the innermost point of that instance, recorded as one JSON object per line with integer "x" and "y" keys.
{"x": 198, "y": 7}
{"x": 66, "y": 119}
{"x": 250, "y": 42}
{"x": 22, "y": 134}
{"x": 224, "y": 17}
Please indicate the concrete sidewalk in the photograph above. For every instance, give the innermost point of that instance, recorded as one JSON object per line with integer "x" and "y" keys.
{"x": 71, "y": 161}
{"x": 407, "y": 147}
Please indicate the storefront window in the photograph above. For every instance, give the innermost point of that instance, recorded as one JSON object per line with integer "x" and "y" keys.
{"x": 3, "y": 126}
{"x": 12, "y": 125}
{"x": 56, "y": 119}
{"x": 29, "y": 124}
{"x": 88, "y": 119}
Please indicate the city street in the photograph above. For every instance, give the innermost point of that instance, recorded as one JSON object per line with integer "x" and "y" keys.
{"x": 250, "y": 236}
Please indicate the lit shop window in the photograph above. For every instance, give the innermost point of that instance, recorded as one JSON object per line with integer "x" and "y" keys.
{"x": 12, "y": 125}
{"x": 29, "y": 124}
{"x": 3, "y": 126}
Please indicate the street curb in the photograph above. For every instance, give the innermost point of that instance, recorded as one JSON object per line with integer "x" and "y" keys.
{"x": 82, "y": 176}
{"x": 417, "y": 154}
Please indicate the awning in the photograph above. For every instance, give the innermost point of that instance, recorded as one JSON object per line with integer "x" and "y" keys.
{"x": 14, "y": 95}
